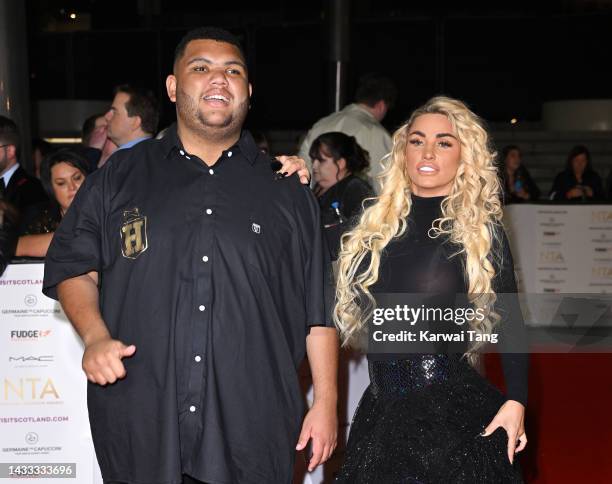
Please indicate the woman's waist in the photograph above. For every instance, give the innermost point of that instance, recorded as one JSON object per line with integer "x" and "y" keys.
{"x": 402, "y": 374}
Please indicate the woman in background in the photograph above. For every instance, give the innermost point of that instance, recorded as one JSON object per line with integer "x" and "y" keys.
{"x": 61, "y": 174}
{"x": 337, "y": 163}
{"x": 517, "y": 184}
{"x": 578, "y": 182}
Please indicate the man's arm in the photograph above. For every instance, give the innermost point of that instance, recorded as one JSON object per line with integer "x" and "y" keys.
{"x": 321, "y": 421}
{"x": 102, "y": 358}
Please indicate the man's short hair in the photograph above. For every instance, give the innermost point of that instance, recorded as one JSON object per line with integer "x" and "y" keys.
{"x": 142, "y": 103}
{"x": 9, "y": 134}
{"x": 207, "y": 33}
{"x": 88, "y": 126}
{"x": 373, "y": 88}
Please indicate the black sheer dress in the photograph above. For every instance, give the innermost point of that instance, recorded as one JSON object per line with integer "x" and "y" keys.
{"x": 419, "y": 420}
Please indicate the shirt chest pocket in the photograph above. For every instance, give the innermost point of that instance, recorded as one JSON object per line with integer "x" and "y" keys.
{"x": 268, "y": 242}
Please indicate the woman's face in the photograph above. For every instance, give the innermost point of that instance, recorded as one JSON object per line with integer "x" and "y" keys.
{"x": 513, "y": 160}
{"x": 579, "y": 163}
{"x": 433, "y": 154}
{"x": 65, "y": 181}
{"x": 325, "y": 172}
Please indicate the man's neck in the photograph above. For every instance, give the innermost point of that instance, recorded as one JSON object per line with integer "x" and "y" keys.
{"x": 12, "y": 166}
{"x": 136, "y": 136}
{"x": 208, "y": 149}
{"x": 367, "y": 108}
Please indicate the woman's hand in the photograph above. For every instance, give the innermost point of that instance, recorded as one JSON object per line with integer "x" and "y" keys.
{"x": 522, "y": 193}
{"x": 511, "y": 416}
{"x": 292, "y": 164}
{"x": 574, "y": 193}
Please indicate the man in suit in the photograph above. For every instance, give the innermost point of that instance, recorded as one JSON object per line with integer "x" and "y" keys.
{"x": 18, "y": 187}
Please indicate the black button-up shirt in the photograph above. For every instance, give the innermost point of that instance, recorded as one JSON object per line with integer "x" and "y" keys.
{"x": 215, "y": 274}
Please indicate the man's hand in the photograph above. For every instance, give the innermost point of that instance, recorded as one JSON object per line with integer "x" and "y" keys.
{"x": 320, "y": 425}
{"x": 102, "y": 360}
{"x": 292, "y": 164}
{"x": 98, "y": 137}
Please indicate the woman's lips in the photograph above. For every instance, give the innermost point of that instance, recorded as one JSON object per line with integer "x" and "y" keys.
{"x": 427, "y": 168}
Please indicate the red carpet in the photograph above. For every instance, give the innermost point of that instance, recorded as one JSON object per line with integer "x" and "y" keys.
{"x": 569, "y": 418}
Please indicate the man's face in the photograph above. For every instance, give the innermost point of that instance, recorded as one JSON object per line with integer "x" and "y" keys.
{"x": 120, "y": 126}
{"x": 211, "y": 88}
{"x": 7, "y": 157}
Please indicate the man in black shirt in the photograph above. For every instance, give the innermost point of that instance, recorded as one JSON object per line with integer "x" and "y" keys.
{"x": 196, "y": 280}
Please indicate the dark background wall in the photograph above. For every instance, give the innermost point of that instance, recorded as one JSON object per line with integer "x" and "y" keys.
{"x": 503, "y": 59}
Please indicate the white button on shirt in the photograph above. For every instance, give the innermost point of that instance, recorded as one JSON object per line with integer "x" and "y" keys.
{"x": 211, "y": 171}
{"x": 205, "y": 258}
{"x": 202, "y": 307}
{"x": 192, "y": 409}
{"x": 208, "y": 211}
{"x": 198, "y": 358}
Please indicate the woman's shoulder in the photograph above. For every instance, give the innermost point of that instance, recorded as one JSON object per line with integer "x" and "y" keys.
{"x": 356, "y": 183}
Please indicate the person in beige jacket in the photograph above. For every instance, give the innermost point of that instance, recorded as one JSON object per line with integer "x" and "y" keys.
{"x": 374, "y": 97}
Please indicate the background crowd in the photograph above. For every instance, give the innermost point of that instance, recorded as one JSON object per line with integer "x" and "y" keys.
{"x": 344, "y": 151}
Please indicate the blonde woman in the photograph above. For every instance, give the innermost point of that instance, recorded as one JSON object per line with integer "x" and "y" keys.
{"x": 434, "y": 229}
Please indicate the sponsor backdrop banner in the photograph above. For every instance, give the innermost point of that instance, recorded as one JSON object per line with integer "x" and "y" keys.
{"x": 563, "y": 261}
{"x": 561, "y": 248}
{"x": 44, "y": 428}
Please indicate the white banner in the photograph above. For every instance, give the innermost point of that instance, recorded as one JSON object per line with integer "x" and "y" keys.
{"x": 560, "y": 253}
{"x": 44, "y": 427}
{"x": 561, "y": 248}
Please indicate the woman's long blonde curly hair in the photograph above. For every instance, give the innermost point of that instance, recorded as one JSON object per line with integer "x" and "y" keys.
{"x": 469, "y": 215}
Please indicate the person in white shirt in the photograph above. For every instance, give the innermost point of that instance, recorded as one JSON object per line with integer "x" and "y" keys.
{"x": 375, "y": 95}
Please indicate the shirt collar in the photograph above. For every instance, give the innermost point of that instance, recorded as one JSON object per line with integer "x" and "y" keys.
{"x": 358, "y": 107}
{"x": 9, "y": 173}
{"x": 245, "y": 145}
{"x": 134, "y": 142}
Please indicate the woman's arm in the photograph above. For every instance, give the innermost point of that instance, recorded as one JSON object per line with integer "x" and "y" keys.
{"x": 33, "y": 245}
{"x": 513, "y": 347}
